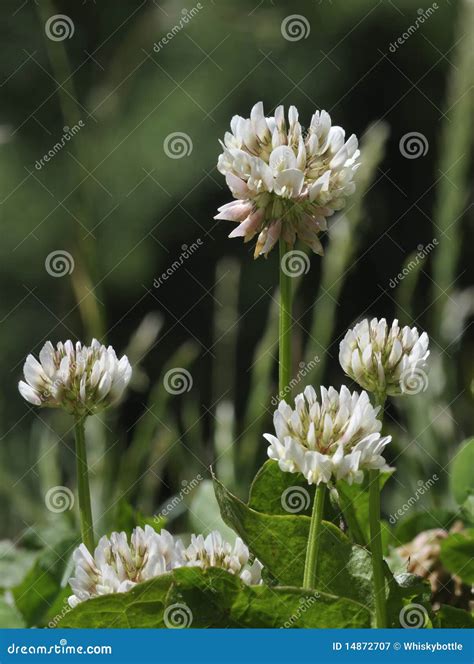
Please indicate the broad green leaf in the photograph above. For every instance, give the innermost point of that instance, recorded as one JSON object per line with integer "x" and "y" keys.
{"x": 191, "y": 597}
{"x": 9, "y": 616}
{"x": 217, "y": 593}
{"x": 275, "y": 492}
{"x": 40, "y": 587}
{"x": 354, "y": 503}
{"x": 461, "y": 477}
{"x": 295, "y": 608}
{"x": 457, "y": 555}
{"x": 467, "y": 510}
{"x": 206, "y": 597}
{"x": 453, "y": 618}
{"x": 279, "y": 542}
{"x": 141, "y": 607}
{"x": 407, "y": 589}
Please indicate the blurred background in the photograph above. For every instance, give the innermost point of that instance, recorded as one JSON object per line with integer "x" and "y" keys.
{"x": 136, "y": 95}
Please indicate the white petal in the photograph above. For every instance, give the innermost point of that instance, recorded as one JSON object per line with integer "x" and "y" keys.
{"x": 28, "y": 393}
{"x": 289, "y": 183}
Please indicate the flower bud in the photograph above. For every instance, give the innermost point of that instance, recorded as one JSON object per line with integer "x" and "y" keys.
{"x": 385, "y": 360}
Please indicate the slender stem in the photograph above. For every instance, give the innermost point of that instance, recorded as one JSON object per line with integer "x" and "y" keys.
{"x": 380, "y": 399}
{"x": 284, "y": 373}
{"x": 376, "y": 548}
{"x": 85, "y": 511}
{"x": 376, "y": 536}
{"x": 310, "y": 577}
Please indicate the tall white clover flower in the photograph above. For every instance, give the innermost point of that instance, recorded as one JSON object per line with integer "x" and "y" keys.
{"x": 385, "y": 360}
{"x": 214, "y": 551}
{"x": 336, "y": 437}
{"x": 81, "y": 379}
{"x": 117, "y": 565}
{"x": 286, "y": 181}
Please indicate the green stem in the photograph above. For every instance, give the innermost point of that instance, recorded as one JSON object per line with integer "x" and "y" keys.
{"x": 376, "y": 536}
{"x": 310, "y": 577}
{"x": 376, "y": 548}
{"x": 85, "y": 511}
{"x": 284, "y": 373}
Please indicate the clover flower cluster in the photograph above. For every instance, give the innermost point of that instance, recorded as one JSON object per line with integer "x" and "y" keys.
{"x": 81, "y": 379}
{"x": 338, "y": 436}
{"x": 385, "y": 360}
{"x": 118, "y": 565}
{"x": 334, "y": 437}
{"x": 422, "y": 556}
{"x": 286, "y": 182}
{"x": 214, "y": 551}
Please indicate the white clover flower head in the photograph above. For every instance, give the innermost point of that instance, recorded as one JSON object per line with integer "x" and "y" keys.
{"x": 336, "y": 437}
{"x": 81, "y": 379}
{"x": 214, "y": 551}
{"x": 286, "y": 181}
{"x": 117, "y": 565}
{"x": 383, "y": 359}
